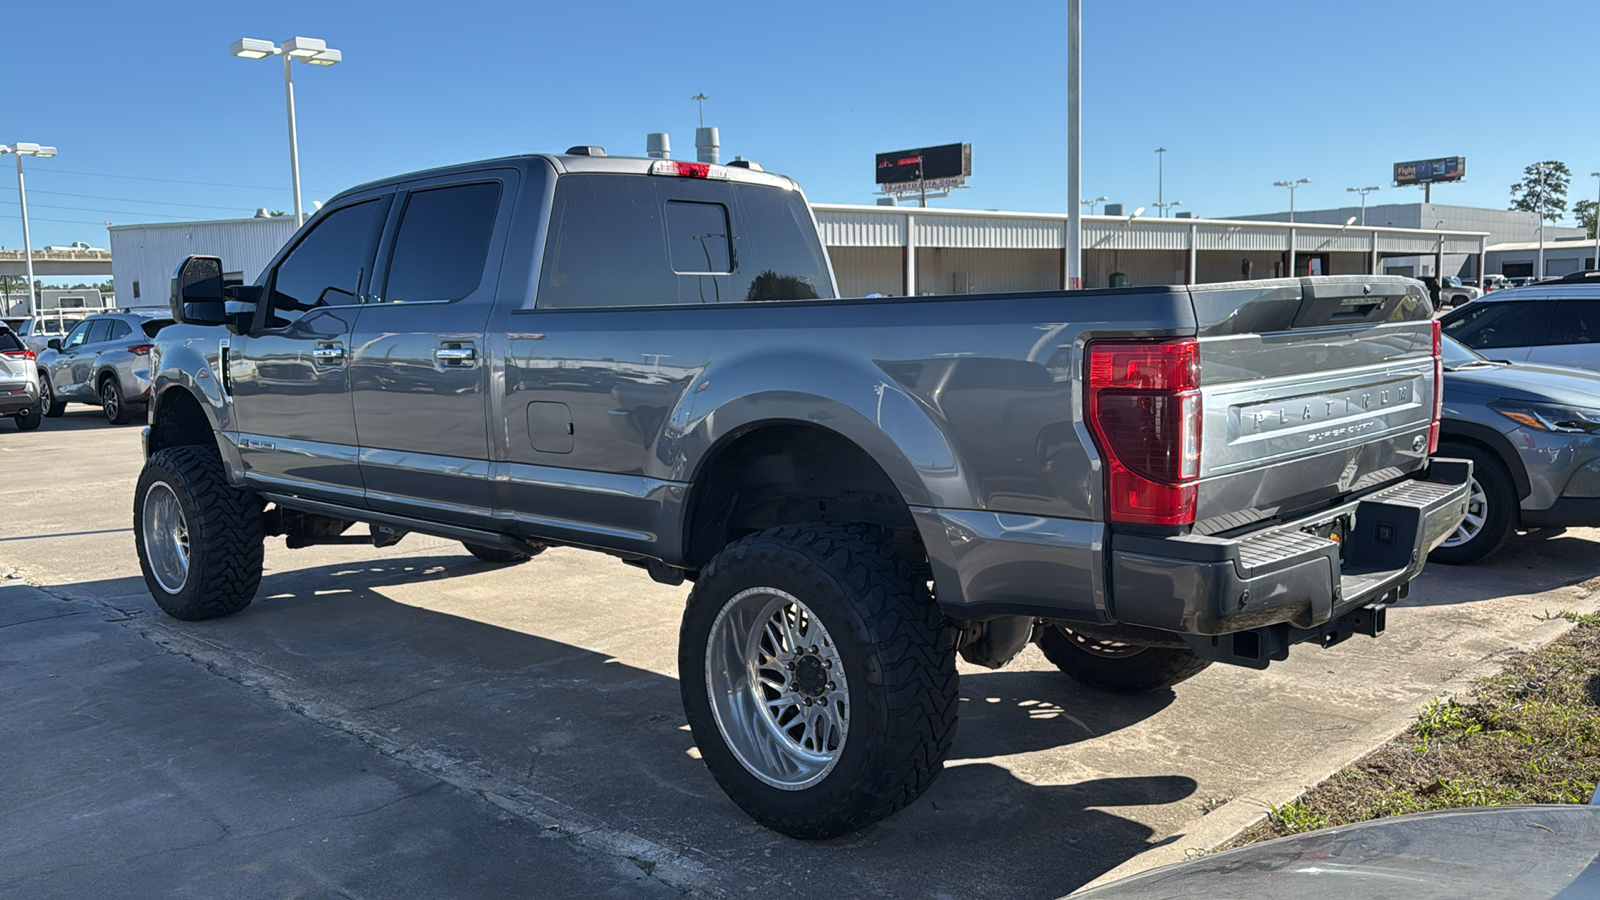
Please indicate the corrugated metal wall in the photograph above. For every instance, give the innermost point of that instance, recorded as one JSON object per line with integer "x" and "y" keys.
{"x": 950, "y": 270}
{"x": 146, "y": 254}
{"x": 842, "y": 228}
{"x": 868, "y": 270}
{"x": 1143, "y": 267}
{"x": 990, "y": 232}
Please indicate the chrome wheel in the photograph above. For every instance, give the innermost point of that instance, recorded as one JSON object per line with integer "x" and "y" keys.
{"x": 1477, "y": 514}
{"x": 108, "y": 398}
{"x": 1099, "y": 647}
{"x": 166, "y": 537}
{"x": 777, "y": 688}
{"x": 47, "y": 398}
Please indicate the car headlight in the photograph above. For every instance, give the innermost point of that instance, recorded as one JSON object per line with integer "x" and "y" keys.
{"x": 1550, "y": 416}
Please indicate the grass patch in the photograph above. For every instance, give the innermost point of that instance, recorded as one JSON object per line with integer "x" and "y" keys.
{"x": 1530, "y": 734}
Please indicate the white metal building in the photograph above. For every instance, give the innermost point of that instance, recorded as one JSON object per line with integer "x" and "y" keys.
{"x": 902, "y": 250}
{"x": 1519, "y": 259}
{"x": 143, "y": 257}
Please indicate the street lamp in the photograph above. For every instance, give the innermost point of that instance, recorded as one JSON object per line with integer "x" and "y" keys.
{"x": 1090, "y": 203}
{"x": 21, "y": 149}
{"x": 311, "y": 51}
{"x": 1363, "y": 191}
{"x": 1596, "y": 225}
{"x": 1291, "y": 185}
{"x": 1165, "y": 206}
{"x": 1161, "y": 179}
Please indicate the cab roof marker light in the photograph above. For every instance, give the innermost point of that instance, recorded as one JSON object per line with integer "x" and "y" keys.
{"x": 681, "y": 169}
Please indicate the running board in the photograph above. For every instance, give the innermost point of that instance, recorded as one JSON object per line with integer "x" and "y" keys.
{"x": 396, "y": 523}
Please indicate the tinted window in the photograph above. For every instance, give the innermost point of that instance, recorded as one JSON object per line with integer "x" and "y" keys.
{"x": 119, "y": 329}
{"x": 1576, "y": 322}
{"x": 9, "y": 341}
{"x": 1486, "y": 326}
{"x": 630, "y": 240}
{"x": 99, "y": 330}
{"x": 76, "y": 337}
{"x": 151, "y": 326}
{"x": 326, "y": 267}
{"x": 443, "y": 242}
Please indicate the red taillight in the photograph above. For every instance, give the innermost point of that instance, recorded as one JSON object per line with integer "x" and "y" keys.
{"x": 1144, "y": 410}
{"x": 687, "y": 169}
{"x": 1438, "y": 388}
{"x": 18, "y": 354}
{"x": 141, "y": 349}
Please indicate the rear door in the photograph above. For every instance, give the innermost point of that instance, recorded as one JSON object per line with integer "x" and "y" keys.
{"x": 1574, "y": 338}
{"x": 290, "y": 376}
{"x": 420, "y": 365}
{"x": 1507, "y": 330}
{"x": 1311, "y": 390}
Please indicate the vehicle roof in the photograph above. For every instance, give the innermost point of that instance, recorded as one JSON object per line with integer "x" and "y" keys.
{"x": 1544, "y": 290}
{"x": 565, "y": 164}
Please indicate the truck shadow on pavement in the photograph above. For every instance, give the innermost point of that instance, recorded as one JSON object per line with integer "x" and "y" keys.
{"x": 573, "y": 730}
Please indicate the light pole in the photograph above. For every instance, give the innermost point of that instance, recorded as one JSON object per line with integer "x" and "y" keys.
{"x": 1291, "y": 185}
{"x": 1091, "y": 203}
{"x": 1596, "y": 223}
{"x": 1538, "y": 274}
{"x": 20, "y": 150}
{"x": 1363, "y": 191}
{"x": 1074, "y": 266}
{"x": 1165, "y": 206}
{"x": 308, "y": 50}
{"x": 1161, "y": 180}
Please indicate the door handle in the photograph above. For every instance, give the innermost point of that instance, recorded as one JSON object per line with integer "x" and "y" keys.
{"x": 328, "y": 354}
{"x": 456, "y": 355}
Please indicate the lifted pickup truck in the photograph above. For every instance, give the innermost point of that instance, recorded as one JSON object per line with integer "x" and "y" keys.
{"x": 647, "y": 358}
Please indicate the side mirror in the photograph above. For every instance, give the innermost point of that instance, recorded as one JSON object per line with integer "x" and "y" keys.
{"x": 53, "y": 343}
{"x": 197, "y": 297}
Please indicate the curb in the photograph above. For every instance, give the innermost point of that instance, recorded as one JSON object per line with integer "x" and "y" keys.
{"x": 1232, "y": 818}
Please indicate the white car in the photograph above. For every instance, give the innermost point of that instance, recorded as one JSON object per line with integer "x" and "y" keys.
{"x": 1554, "y": 323}
{"x": 19, "y": 381}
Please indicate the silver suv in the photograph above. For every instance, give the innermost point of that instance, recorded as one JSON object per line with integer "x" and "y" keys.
{"x": 104, "y": 360}
{"x": 19, "y": 382}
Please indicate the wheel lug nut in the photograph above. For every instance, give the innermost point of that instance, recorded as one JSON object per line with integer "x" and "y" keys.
{"x": 808, "y": 701}
{"x": 832, "y": 686}
{"x": 827, "y": 664}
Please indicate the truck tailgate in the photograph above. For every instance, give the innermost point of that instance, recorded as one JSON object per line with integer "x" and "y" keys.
{"x": 1312, "y": 389}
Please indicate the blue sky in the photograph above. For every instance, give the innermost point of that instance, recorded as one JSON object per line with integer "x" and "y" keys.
{"x": 1242, "y": 94}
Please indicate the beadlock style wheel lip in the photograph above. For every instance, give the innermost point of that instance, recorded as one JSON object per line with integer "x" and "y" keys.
{"x": 759, "y": 643}
{"x": 166, "y": 537}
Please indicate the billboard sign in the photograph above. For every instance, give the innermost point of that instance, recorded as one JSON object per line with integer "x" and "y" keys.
{"x": 1429, "y": 171}
{"x": 928, "y": 164}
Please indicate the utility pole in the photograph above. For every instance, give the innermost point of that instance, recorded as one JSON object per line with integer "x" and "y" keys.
{"x": 1363, "y": 191}
{"x": 1539, "y": 273}
{"x": 1596, "y": 223}
{"x": 701, "y": 99}
{"x": 1161, "y": 180}
{"x": 1074, "y": 144}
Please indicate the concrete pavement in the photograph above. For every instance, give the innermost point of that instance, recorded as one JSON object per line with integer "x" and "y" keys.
{"x": 543, "y": 697}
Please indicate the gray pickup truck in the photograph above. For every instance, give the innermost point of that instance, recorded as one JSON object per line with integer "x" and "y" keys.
{"x": 647, "y": 358}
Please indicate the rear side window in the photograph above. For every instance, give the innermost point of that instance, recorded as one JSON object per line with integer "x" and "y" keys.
{"x": 9, "y": 341}
{"x": 119, "y": 330}
{"x": 152, "y": 326}
{"x": 325, "y": 268}
{"x": 635, "y": 240}
{"x": 443, "y": 242}
{"x": 1576, "y": 322}
{"x": 1487, "y": 326}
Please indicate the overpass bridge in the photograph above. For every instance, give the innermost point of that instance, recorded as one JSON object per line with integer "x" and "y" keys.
{"x": 56, "y": 263}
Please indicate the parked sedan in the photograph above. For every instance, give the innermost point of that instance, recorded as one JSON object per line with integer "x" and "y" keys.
{"x": 1533, "y": 435}
{"x": 104, "y": 360}
{"x": 19, "y": 381}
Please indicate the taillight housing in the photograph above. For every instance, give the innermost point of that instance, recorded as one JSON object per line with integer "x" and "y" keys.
{"x": 141, "y": 349}
{"x": 18, "y": 354}
{"x": 1143, "y": 408}
{"x": 1438, "y": 388}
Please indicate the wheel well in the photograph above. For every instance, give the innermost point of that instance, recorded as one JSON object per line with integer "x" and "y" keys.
{"x": 179, "y": 421}
{"x": 789, "y": 473}
{"x": 105, "y": 376}
{"x": 1491, "y": 442}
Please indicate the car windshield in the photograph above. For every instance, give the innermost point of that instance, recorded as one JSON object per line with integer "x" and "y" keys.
{"x": 1458, "y": 356}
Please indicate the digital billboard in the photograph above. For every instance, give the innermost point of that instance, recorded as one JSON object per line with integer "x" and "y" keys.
{"x": 1429, "y": 171}
{"x": 924, "y": 164}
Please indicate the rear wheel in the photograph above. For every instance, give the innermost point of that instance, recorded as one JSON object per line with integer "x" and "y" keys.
{"x": 1491, "y": 505}
{"x": 1117, "y": 667}
{"x": 53, "y": 408}
{"x": 818, "y": 677}
{"x": 31, "y": 419}
{"x": 111, "y": 401}
{"x": 500, "y": 555}
{"x": 200, "y": 540}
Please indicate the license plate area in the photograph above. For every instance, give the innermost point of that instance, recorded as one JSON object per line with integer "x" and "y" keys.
{"x": 1336, "y": 529}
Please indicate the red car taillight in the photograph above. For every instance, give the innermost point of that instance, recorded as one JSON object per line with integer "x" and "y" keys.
{"x": 141, "y": 349}
{"x": 18, "y": 354}
{"x": 1144, "y": 411}
{"x": 1438, "y": 388}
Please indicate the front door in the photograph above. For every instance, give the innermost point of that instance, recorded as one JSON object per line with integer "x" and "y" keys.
{"x": 420, "y": 367}
{"x": 290, "y": 377}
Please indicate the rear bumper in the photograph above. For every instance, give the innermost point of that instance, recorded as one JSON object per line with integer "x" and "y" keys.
{"x": 15, "y": 399}
{"x": 1208, "y": 586}
{"x": 1568, "y": 511}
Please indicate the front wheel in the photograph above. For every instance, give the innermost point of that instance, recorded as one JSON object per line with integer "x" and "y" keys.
{"x": 818, "y": 678}
{"x": 1117, "y": 667}
{"x": 53, "y": 407}
{"x": 200, "y": 539}
{"x": 1491, "y": 504}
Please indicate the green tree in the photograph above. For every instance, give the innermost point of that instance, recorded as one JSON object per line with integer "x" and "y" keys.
{"x": 1584, "y": 212}
{"x": 1543, "y": 189}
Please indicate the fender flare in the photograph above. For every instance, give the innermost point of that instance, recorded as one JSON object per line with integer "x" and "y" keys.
{"x": 1497, "y": 443}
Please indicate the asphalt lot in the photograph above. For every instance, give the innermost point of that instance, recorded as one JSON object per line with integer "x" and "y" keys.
{"x": 412, "y": 722}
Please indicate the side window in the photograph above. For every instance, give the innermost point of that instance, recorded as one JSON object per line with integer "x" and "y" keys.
{"x": 75, "y": 339}
{"x": 119, "y": 330}
{"x": 98, "y": 330}
{"x": 1487, "y": 326}
{"x": 442, "y": 243}
{"x": 1576, "y": 322}
{"x": 325, "y": 268}
{"x": 605, "y": 246}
